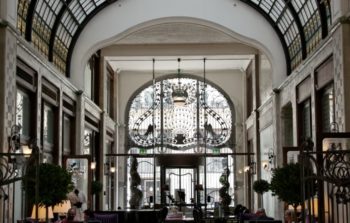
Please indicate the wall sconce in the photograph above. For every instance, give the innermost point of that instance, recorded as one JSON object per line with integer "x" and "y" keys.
{"x": 93, "y": 165}
{"x": 109, "y": 168}
{"x": 27, "y": 151}
{"x": 112, "y": 169}
{"x": 265, "y": 165}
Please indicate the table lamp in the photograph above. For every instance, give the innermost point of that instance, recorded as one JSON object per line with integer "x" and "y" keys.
{"x": 42, "y": 213}
{"x": 62, "y": 208}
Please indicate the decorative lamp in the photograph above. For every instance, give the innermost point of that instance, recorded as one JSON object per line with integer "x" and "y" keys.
{"x": 42, "y": 212}
{"x": 26, "y": 150}
{"x": 179, "y": 94}
{"x": 112, "y": 170}
{"x": 93, "y": 165}
{"x": 62, "y": 208}
{"x": 265, "y": 165}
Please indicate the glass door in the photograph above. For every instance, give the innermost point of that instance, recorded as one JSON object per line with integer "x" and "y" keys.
{"x": 180, "y": 182}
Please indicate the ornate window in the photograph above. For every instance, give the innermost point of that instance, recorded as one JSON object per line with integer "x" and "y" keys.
{"x": 180, "y": 114}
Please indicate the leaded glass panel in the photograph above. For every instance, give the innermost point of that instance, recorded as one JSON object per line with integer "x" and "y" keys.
{"x": 159, "y": 119}
{"x": 278, "y": 11}
{"x": 44, "y": 18}
{"x": 310, "y": 19}
{"x": 22, "y": 11}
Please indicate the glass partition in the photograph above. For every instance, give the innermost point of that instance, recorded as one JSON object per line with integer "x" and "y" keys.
{"x": 177, "y": 181}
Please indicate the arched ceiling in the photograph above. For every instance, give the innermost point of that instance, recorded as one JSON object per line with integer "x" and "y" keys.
{"x": 53, "y": 26}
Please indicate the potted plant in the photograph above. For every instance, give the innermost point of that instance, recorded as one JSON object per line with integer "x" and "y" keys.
{"x": 52, "y": 184}
{"x": 96, "y": 187}
{"x": 286, "y": 181}
{"x": 223, "y": 191}
{"x": 261, "y": 186}
{"x": 135, "y": 181}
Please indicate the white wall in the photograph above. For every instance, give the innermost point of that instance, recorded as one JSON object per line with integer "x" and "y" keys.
{"x": 265, "y": 84}
{"x": 124, "y": 17}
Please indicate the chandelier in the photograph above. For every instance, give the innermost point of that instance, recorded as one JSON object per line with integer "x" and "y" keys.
{"x": 179, "y": 94}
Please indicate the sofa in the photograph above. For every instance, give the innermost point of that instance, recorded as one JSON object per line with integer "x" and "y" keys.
{"x": 262, "y": 221}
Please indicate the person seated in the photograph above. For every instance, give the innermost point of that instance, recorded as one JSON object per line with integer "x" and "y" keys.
{"x": 181, "y": 196}
{"x": 289, "y": 216}
{"x": 70, "y": 215}
{"x": 88, "y": 215}
{"x": 246, "y": 215}
{"x": 260, "y": 214}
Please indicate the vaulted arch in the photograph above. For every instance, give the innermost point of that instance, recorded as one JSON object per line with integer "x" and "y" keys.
{"x": 55, "y": 26}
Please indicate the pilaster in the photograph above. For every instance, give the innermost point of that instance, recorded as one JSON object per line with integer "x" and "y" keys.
{"x": 8, "y": 12}
{"x": 102, "y": 158}
{"x": 339, "y": 9}
{"x": 346, "y": 72}
{"x": 79, "y": 123}
{"x": 8, "y": 52}
{"x": 341, "y": 54}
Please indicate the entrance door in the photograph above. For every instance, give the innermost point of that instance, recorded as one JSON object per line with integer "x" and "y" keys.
{"x": 181, "y": 183}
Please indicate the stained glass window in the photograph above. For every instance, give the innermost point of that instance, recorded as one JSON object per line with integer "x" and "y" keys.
{"x": 22, "y": 11}
{"x": 182, "y": 114}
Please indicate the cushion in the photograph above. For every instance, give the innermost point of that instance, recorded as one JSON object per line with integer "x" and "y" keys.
{"x": 106, "y": 218}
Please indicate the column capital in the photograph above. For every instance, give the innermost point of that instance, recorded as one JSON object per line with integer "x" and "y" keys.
{"x": 8, "y": 12}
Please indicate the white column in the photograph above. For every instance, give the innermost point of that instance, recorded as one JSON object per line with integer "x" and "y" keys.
{"x": 340, "y": 8}
{"x": 8, "y": 12}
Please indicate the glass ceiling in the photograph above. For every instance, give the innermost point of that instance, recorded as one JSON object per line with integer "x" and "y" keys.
{"x": 53, "y": 26}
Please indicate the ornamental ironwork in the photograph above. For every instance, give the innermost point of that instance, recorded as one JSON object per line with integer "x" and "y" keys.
{"x": 180, "y": 113}
{"x": 333, "y": 168}
{"x": 330, "y": 167}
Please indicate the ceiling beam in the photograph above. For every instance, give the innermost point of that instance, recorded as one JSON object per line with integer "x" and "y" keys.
{"x": 29, "y": 20}
{"x": 179, "y": 49}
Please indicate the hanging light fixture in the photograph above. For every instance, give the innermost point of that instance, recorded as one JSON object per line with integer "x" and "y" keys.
{"x": 179, "y": 94}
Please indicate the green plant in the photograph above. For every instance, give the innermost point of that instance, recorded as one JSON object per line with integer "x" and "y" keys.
{"x": 286, "y": 183}
{"x": 223, "y": 191}
{"x": 53, "y": 183}
{"x": 135, "y": 181}
{"x": 261, "y": 186}
{"x": 96, "y": 187}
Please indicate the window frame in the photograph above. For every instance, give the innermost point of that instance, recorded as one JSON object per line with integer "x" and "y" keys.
{"x": 26, "y": 81}
{"x": 110, "y": 105}
{"x": 50, "y": 98}
{"x": 301, "y": 131}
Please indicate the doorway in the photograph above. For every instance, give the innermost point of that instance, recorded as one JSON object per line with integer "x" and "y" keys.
{"x": 181, "y": 183}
